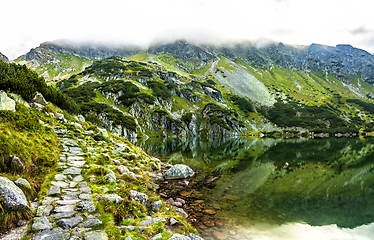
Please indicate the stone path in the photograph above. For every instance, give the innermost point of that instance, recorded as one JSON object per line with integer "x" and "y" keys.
{"x": 68, "y": 211}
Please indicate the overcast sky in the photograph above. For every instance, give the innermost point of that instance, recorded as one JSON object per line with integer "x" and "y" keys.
{"x": 27, "y": 23}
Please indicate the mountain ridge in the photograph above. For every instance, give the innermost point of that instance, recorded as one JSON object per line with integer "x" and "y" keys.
{"x": 189, "y": 90}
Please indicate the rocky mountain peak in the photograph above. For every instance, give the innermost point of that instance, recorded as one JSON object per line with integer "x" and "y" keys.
{"x": 3, "y": 58}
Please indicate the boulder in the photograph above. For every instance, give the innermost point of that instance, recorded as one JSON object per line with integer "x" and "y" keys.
{"x": 156, "y": 206}
{"x": 16, "y": 163}
{"x": 140, "y": 197}
{"x": 13, "y": 196}
{"x": 6, "y": 103}
{"x": 179, "y": 171}
{"x": 39, "y": 99}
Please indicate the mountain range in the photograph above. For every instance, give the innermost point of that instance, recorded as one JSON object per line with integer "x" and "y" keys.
{"x": 185, "y": 89}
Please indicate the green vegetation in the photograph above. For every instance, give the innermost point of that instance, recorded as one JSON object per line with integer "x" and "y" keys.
{"x": 159, "y": 89}
{"x": 369, "y": 107}
{"x": 297, "y": 115}
{"x": 110, "y": 113}
{"x": 244, "y": 104}
{"x": 187, "y": 118}
{"x": 23, "y": 136}
{"x": 25, "y": 82}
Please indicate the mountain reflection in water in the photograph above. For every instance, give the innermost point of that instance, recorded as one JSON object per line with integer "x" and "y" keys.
{"x": 319, "y": 182}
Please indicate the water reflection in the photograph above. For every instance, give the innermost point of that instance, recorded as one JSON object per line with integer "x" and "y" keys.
{"x": 315, "y": 181}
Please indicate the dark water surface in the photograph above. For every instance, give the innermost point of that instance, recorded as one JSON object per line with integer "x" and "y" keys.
{"x": 282, "y": 188}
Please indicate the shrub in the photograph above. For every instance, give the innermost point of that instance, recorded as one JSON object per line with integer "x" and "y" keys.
{"x": 159, "y": 89}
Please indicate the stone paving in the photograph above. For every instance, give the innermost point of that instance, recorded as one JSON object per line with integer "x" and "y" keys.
{"x": 68, "y": 211}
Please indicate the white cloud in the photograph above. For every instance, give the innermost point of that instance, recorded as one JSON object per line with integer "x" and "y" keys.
{"x": 330, "y": 22}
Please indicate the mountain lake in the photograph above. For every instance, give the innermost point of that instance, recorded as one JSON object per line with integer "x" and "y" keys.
{"x": 253, "y": 188}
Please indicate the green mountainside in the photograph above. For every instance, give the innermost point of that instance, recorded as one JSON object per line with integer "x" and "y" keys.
{"x": 182, "y": 89}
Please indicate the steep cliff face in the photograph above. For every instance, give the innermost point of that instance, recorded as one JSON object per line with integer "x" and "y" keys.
{"x": 3, "y": 58}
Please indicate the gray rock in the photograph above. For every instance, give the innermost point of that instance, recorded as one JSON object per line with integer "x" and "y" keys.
{"x": 179, "y": 171}
{"x": 90, "y": 223}
{"x": 157, "y": 205}
{"x": 78, "y": 178}
{"x": 68, "y": 202}
{"x": 49, "y": 200}
{"x": 194, "y": 237}
{"x": 6, "y": 103}
{"x": 21, "y": 182}
{"x": 152, "y": 221}
{"x": 63, "y": 215}
{"x": 61, "y": 117}
{"x": 86, "y": 205}
{"x": 140, "y": 197}
{"x": 39, "y": 99}
{"x": 110, "y": 177}
{"x": 113, "y": 198}
{"x": 123, "y": 169}
{"x": 75, "y": 238}
{"x": 76, "y": 163}
{"x": 13, "y": 196}
{"x": 41, "y": 223}
{"x": 96, "y": 235}
{"x": 128, "y": 238}
{"x": 173, "y": 221}
{"x": 156, "y": 237}
{"x": 80, "y": 118}
{"x": 177, "y": 236}
{"x": 52, "y": 234}
{"x": 72, "y": 171}
{"x": 64, "y": 208}
{"x": 53, "y": 190}
{"x": 44, "y": 210}
{"x": 60, "y": 177}
{"x": 60, "y": 184}
{"x": 181, "y": 212}
{"x": 132, "y": 228}
{"x": 68, "y": 223}
{"x": 85, "y": 196}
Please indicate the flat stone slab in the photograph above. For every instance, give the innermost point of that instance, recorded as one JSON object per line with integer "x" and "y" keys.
{"x": 96, "y": 235}
{"x": 63, "y": 215}
{"x": 86, "y": 190}
{"x": 75, "y": 158}
{"x": 64, "y": 208}
{"x": 52, "y": 234}
{"x": 60, "y": 184}
{"x": 90, "y": 223}
{"x": 78, "y": 178}
{"x": 53, "y": 190}
{"x": 68, "y": 202}
{"x": 76, "y": 163}
{"x": 41, "y": 223}
{"x": 49, "y": 200}
{"x": 86, "y": 205}
{"x": 68, "y": 223}
{"x": 85, "y": 196}
{"x": 72, "y": 171}
{"x": 44, "y": 210}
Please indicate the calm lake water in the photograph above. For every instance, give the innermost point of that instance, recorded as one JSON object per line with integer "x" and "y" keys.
{"x": 320, "y": 188}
